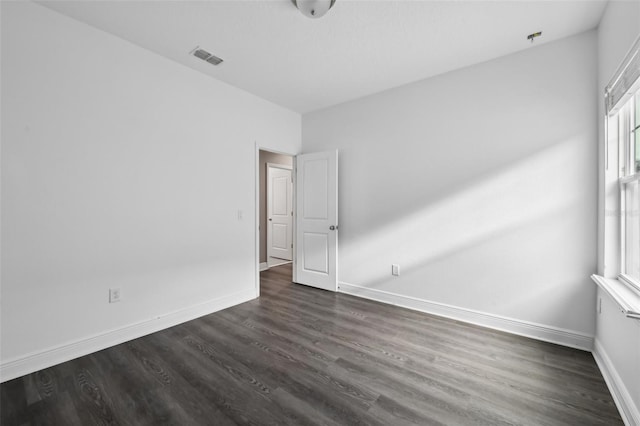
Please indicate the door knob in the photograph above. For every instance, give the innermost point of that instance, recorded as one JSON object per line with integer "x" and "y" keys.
{"x": 270, "y": 219}
{"x": 333, "y": 228}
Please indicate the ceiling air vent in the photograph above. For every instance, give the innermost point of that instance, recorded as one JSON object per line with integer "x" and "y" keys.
{"x": 206, "y": 56}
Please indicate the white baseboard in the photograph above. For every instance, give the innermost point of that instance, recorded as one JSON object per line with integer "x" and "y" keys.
{"x": 274, "y": 261}
{"x": 263, "y": 266}
{"x": 629, "y": 411}
{"x": 545, "y": 333}
{"x": 37, "y": 361}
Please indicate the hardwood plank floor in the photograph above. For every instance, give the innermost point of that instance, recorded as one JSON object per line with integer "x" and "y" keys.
{"x": 301, "y": 356}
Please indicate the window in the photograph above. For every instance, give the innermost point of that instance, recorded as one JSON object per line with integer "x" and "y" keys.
{"x": 622, "y": 171}
{"x": 629, "y": 181}
{"x": 620, "y": 220}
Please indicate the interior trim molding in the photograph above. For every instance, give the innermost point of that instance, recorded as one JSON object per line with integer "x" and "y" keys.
{"x": 263, "y": 266}
{"x": 37, "y": 361}
{"x": 621, "y": 293}
{"x": 542, "y": 332}
{"x": 273, "y": 261}
{"x": 629, "y": 412}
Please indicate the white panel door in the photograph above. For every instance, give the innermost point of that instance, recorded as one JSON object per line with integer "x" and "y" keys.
{"x": 279, "y": 212}
{"x": 316, "y": 261}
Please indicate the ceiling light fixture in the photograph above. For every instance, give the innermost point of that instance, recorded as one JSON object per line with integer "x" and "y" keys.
{"x": 313, "y": 8}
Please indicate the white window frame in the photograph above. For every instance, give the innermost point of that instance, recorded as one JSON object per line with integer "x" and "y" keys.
{"x": 624, "y": 289}
{"x": 627, "y": 173}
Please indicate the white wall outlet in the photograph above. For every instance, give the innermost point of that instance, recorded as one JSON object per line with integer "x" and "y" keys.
{"x": 395, "y": 269}
{"x": 240, "y": 214}
{"x": 114, "y": 295}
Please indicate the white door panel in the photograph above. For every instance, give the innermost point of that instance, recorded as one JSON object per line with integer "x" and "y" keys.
{"x": 316, "y": 252}
{"x": 279, "y": 193}
{"x": 279, "y": 236}
{"x": 317, "y": 220}
{"x": 315, "y": 192}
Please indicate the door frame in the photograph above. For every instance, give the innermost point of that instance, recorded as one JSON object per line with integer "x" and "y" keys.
{"x": 256, "y": 228}
{"x": 269, "y": 231}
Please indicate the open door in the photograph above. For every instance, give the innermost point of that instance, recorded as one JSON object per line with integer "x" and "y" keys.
{"x": 316, "y": 262}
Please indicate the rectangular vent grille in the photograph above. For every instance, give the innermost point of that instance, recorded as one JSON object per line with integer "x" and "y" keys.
{"x": 206, "y": 56}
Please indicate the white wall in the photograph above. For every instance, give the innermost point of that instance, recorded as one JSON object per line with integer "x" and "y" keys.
{"x": 617, "y": 337}
{"x": 479, "y": 184}
{"x": 119, "y": 169}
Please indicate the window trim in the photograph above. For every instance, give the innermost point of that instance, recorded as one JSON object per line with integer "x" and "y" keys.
{"x": 629, "y": 281}
{"x": 618, "y": 131}
{"x": 626, "y": 171}
{"x": 622, "y": 294}
{"x": 628, "y": 179}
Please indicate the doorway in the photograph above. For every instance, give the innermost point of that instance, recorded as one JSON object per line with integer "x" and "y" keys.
{"x": 275, "y": 223}
{"x": 279, "y": 214}
{"x": 314, "y": 209}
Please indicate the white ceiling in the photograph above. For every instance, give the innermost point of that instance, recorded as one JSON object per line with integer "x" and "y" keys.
{"x": 360, "y": 47}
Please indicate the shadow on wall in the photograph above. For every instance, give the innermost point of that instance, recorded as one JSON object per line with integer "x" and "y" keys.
{"x": 459, "y": 249}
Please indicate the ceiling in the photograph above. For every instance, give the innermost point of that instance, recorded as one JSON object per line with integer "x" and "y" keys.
{"x": 358, "y": 48}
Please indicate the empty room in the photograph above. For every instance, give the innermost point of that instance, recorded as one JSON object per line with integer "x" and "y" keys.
{"x": 320, "y": 212}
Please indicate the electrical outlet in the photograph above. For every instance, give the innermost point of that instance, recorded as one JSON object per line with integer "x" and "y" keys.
{"x": 395, "y": 269}
{"x": 114, "y": 295}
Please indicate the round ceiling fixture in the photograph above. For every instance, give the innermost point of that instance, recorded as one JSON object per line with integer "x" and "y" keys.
{"x": 313, "y": 8}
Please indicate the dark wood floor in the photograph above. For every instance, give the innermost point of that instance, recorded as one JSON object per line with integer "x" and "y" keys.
{"x": 303, "y": 356}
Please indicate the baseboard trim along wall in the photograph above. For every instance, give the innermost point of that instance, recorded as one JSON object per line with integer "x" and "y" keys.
{"x": 263, "y": 266}
{"x": 545, "y": 333}
{"x": 47, "y": 358}
{"x": 628, "y": 410}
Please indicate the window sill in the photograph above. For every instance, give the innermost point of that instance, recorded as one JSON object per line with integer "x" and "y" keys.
{"x": 626, "y": 297}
